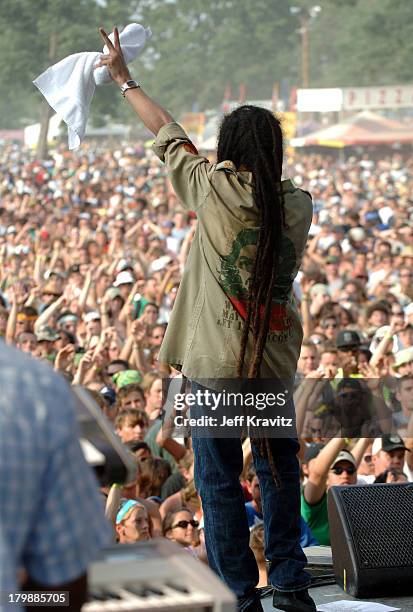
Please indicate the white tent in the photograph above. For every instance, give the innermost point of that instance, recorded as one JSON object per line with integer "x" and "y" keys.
{"x": 32, "y": 132}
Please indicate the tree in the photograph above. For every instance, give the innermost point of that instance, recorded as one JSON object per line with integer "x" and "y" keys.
{"x": 371, "y": 43}
{"x": 200, "y": 48}
{"x": 38, "y": 33}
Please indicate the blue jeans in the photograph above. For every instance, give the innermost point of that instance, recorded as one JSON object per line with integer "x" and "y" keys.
{"x": 218, "y": 466}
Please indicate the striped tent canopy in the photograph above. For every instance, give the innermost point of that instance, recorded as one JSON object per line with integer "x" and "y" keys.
{"x": 365, "y": 128}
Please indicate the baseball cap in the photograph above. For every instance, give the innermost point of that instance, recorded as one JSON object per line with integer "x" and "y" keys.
{"x": 347, "y": 338}
{"x": 409, "y": 310}
{"x": 93, "y": 315}
{"x": 112, "y": 293}
{"x": 333, "y": 259}
{"x": 403, "y": 357}
{"x": 127, "y": 377}
{"x": 67, "y": 317}
{"x": 312, "y": 451}
{"x": 109, "y": 395}
{"x": 50, "y": 273}
{"x": 388, "y": 442}
{"x": 344, "y": 455}
{"x": 349, "y": 383}
{"x": 319, "y": 288}
{"x": 124, "y": 278}
{"x": 50, "y": 290}
{"x": 357, "y": 233}
{"x": 47, "y": 334}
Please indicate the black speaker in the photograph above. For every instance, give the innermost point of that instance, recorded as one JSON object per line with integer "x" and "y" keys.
{"x": 371, "y": 533}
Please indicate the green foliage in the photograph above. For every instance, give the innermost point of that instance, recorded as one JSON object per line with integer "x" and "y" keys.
{"x": 370, "y": 43}
{"x": 200, "y": 48}
{"x": 27, "y": 27}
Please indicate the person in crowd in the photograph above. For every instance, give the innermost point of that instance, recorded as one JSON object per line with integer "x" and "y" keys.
{"x": 257, "y": 546}
{"x": 391, "y": 475}
{"x": 254, "y": 510}
{"x": 334, "y": 465}
{"x": 132, "y": 523}
{"x": 389, "y": 452}
{"x": 180, "y": 526}
{"x": 131, "y": 425}
{"x": 404, "y": 397}
{"x": 365, "y": 471}
{"x": 130, "y": 396}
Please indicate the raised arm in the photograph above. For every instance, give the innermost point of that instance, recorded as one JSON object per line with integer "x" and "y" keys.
{"x": 150, "y": 113}
{"x": 315, "y": 487}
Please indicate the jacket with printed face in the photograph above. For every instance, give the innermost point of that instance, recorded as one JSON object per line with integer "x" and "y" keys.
{"x": 204, "y": 333}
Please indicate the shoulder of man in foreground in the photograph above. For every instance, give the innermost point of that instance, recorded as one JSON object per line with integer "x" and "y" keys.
{"x": 61, "y": 524}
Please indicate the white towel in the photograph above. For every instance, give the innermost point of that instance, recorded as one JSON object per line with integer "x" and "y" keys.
{"x": 69, "y": 85}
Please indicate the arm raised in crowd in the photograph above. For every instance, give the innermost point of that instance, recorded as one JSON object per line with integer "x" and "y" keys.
{"x": 383, "y": 345}
{"x": 308, "y": 324}
{"x": 408, "y": 441}
{"x": 18, "y": 299}
{"x": 315, "y": 487}
{"x": 49, "y": 312}
{"x": 360, "y": 448}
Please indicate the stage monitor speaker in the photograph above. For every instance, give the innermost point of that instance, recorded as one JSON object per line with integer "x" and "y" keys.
{"x": 371, "y": 533}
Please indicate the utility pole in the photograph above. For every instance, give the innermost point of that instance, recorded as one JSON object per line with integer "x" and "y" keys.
{"x": 305, "y": 53}
{"x": 306, "y": 16}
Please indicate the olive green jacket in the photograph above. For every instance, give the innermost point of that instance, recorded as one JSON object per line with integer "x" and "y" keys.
{"x": 204, "y": 333}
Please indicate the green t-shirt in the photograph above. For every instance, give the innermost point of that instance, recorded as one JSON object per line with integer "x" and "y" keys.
{"x": 316, "y": 517}
{"x": 139, "y": 306}
{"x": 157, "y": 450}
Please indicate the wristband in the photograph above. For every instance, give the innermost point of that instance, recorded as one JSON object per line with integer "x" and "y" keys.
{"x": 128, "y": 85}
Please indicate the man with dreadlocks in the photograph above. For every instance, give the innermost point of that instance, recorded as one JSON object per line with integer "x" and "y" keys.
{"x": 235, "y": 317}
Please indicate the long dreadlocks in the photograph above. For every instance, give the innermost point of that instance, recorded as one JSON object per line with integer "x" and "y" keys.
{"x": 251, "y": 137}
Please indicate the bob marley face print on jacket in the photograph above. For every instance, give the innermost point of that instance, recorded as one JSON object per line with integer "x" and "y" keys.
{"x": 235, "y": 273}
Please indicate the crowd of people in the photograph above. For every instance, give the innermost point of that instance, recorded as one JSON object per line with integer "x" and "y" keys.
{"x": 93, "y": 244}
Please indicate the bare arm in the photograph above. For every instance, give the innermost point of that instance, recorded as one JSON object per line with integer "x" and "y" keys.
{"x": 49, "y": 312}
{"x": 309, "y": 387}
{"x": 165, "y": 440}
{"x": 359, "y": 449}
{"x": 167, "y": 277}
{"x": 318, "y": 470}
{"x": 383, "y": 346}
{"x": 306, "y": 315}
{"x": 85, "y": 291}
{"x": 151, "y": 114}
{"x": 408, "y": 441}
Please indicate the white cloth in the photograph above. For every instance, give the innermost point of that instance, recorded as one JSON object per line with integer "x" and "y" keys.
{"x": 69, "y": 85}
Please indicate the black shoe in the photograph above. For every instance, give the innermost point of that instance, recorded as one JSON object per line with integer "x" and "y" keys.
{"x": 296, "y": 601}
{"x": 252, "y": 606}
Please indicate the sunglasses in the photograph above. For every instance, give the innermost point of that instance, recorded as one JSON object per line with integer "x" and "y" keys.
{"x": 349, "y": 349}
{"x": 184, "y": 524}
{"x": 348, "y": 395}
{"x": 339, "y": 470}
